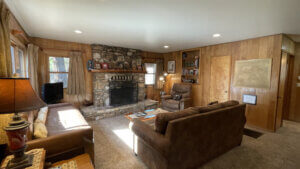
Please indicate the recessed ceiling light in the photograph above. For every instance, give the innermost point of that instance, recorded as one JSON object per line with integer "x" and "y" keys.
{"x": 78, "y": 31}
{"x": 216, "y": 35}
{"x": 166, "y": 47}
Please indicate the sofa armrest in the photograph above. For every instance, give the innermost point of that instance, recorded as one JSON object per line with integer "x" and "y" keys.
{"x": 59, "y": 144}
{"x": 164, "y": 97}
{"x": 151, "y": 137}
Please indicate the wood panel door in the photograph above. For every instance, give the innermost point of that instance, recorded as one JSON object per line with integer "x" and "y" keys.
{"x": 220, "y": 78}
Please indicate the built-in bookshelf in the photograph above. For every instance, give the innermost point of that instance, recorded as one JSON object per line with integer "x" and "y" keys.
{"x": 190, "y": 66}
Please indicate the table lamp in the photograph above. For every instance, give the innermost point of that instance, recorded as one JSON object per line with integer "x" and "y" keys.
{"x": 17, "y": 95}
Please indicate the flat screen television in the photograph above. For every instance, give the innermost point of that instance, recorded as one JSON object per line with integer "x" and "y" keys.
{"x": 52, "y": 92}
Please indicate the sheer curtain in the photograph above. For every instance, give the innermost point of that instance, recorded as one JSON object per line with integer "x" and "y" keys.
{"x": 5, "y": 55}
{"x": 32, "y": 54}
{"x": 76, "y": 81}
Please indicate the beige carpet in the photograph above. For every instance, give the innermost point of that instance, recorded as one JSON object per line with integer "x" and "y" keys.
{"x": 280, "y": 150}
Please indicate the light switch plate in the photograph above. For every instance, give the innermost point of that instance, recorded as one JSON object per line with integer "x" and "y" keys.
{"x": 298, "y": 77}
{"x": 298, "y": 84}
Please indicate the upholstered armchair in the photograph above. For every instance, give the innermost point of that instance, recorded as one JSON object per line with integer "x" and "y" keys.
{"x": 179, "y": 99}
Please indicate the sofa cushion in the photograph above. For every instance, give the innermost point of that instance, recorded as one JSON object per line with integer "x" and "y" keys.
{"x": 64, "y": 118}
{"x": 162, "y": 119}
{"x": 203, "y": 109}
{"x": 42, "y": 115}
{"x": 172, "y": 104}
{"x": 40, "y": 130}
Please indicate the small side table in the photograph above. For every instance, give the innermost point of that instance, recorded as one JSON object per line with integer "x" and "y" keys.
{"x": 82, "y": 161}
{"x": 38, "y": 159}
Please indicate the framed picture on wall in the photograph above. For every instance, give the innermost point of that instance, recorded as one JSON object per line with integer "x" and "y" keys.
{"x": 171, "y": 67}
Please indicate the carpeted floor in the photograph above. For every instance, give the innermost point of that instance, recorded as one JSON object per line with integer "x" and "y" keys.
{"x": 280, "y": 150}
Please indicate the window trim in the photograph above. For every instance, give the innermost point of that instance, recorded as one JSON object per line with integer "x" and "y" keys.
{"x": 48, "y": 67}
{"x": 151, "y": 73}
{"x": 23, "y": 62}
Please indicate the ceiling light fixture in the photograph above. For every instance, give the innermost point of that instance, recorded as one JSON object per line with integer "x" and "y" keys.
{"x": 216, "y": 35}
{"x": 166, "y": 47}
{"x": 78, "y": 31}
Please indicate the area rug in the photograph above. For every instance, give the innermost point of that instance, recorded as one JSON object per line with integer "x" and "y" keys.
{"x": 280, "y": 150}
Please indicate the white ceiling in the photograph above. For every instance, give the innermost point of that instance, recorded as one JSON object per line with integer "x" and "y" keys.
{"x": 151, "y": 24}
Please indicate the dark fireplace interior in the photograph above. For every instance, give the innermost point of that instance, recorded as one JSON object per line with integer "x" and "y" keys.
{"x": 122, "y": 92}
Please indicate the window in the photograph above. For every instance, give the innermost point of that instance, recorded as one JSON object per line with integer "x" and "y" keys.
{"x": 59, "y": 69}
{"x": 150, "y": 75}
{"x": 19, "y": 67}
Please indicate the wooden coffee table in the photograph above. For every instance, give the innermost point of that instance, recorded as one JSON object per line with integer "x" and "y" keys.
{"x": 154, "y": 112}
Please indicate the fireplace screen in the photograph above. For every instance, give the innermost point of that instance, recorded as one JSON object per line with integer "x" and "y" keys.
{"x": 123, "y": 92}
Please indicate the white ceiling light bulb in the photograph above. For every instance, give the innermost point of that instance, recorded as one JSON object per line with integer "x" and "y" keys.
{"x": 78, "y": 31}
{"x": 216, "y": 35}
{"x": 166, "y": 47}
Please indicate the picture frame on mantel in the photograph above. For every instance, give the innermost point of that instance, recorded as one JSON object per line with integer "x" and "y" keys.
{"x": 171, "y": 67}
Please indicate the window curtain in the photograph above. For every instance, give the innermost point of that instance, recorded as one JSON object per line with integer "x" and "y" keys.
{"x": 33, "y": 60}
{"x": 159, "y": 73}
{"x": 5, "y": 55}
{"x": 76, "y": 81}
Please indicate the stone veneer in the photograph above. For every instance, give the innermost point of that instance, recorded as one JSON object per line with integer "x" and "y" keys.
{"x": 116, "y": 58}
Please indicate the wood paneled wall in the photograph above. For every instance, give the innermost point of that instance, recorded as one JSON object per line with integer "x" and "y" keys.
{"x": 261, "y": 115}
{"x": 61, "y": 48}
{"x": 151, "y": 57}
{"x": 294, "y": 110}
{"x": 172, "y": 78}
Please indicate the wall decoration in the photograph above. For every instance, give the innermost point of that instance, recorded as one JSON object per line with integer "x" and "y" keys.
{"x": 254, "y": 73}
{"x": 104, "y": 65}
{"x": 90, "y": 65}
{"x": 249, "y": 99}
{"x": 171, "y": 66}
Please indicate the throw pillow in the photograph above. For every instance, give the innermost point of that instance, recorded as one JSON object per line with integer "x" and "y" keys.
{"x": 40, "y": 130}
{"x": 42, "y": 115}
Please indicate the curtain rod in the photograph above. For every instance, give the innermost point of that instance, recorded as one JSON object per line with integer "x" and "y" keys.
{"x": 67, "y": 50}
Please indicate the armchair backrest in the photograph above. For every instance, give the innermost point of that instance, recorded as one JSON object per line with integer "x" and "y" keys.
{"x": 183, "y": 89}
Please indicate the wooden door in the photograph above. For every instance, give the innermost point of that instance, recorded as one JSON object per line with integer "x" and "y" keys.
{"x": 220, "y": 78}
{"x": 282, "y": 89}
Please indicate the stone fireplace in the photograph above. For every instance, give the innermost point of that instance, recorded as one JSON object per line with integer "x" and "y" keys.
{"x": 119, "y": 89}
{"x": 123, "y": 91}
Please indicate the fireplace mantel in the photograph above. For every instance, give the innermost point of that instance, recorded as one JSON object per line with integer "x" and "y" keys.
{"x": 116, "y": 71}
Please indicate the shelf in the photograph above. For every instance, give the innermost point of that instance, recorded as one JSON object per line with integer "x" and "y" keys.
{"x": 116, "y": 71}
{"x": 190, "y": 75}
{"x": 190, "y": 68}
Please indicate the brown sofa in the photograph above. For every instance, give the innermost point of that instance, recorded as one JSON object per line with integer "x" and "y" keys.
{"x": 68, "y": 134}
{"x": 189, "y": 138}
{"x": 170, "y": 104}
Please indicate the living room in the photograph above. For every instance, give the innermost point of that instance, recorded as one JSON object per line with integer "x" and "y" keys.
{"x": 156, "y": 84}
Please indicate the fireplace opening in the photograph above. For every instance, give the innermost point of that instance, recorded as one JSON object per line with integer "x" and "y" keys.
{"x": 123, "y": 92}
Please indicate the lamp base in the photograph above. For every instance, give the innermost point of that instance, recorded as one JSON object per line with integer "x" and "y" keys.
{"x": 18, "y": 163}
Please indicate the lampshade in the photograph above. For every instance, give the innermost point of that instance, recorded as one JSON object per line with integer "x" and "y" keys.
{"x": 17, "y": 95}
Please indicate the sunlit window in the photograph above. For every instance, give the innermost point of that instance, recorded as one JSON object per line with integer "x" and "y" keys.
{"x": 150, "y": 75}
{"x": 59, "y": 69}
{"x": 18, "y": 62}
